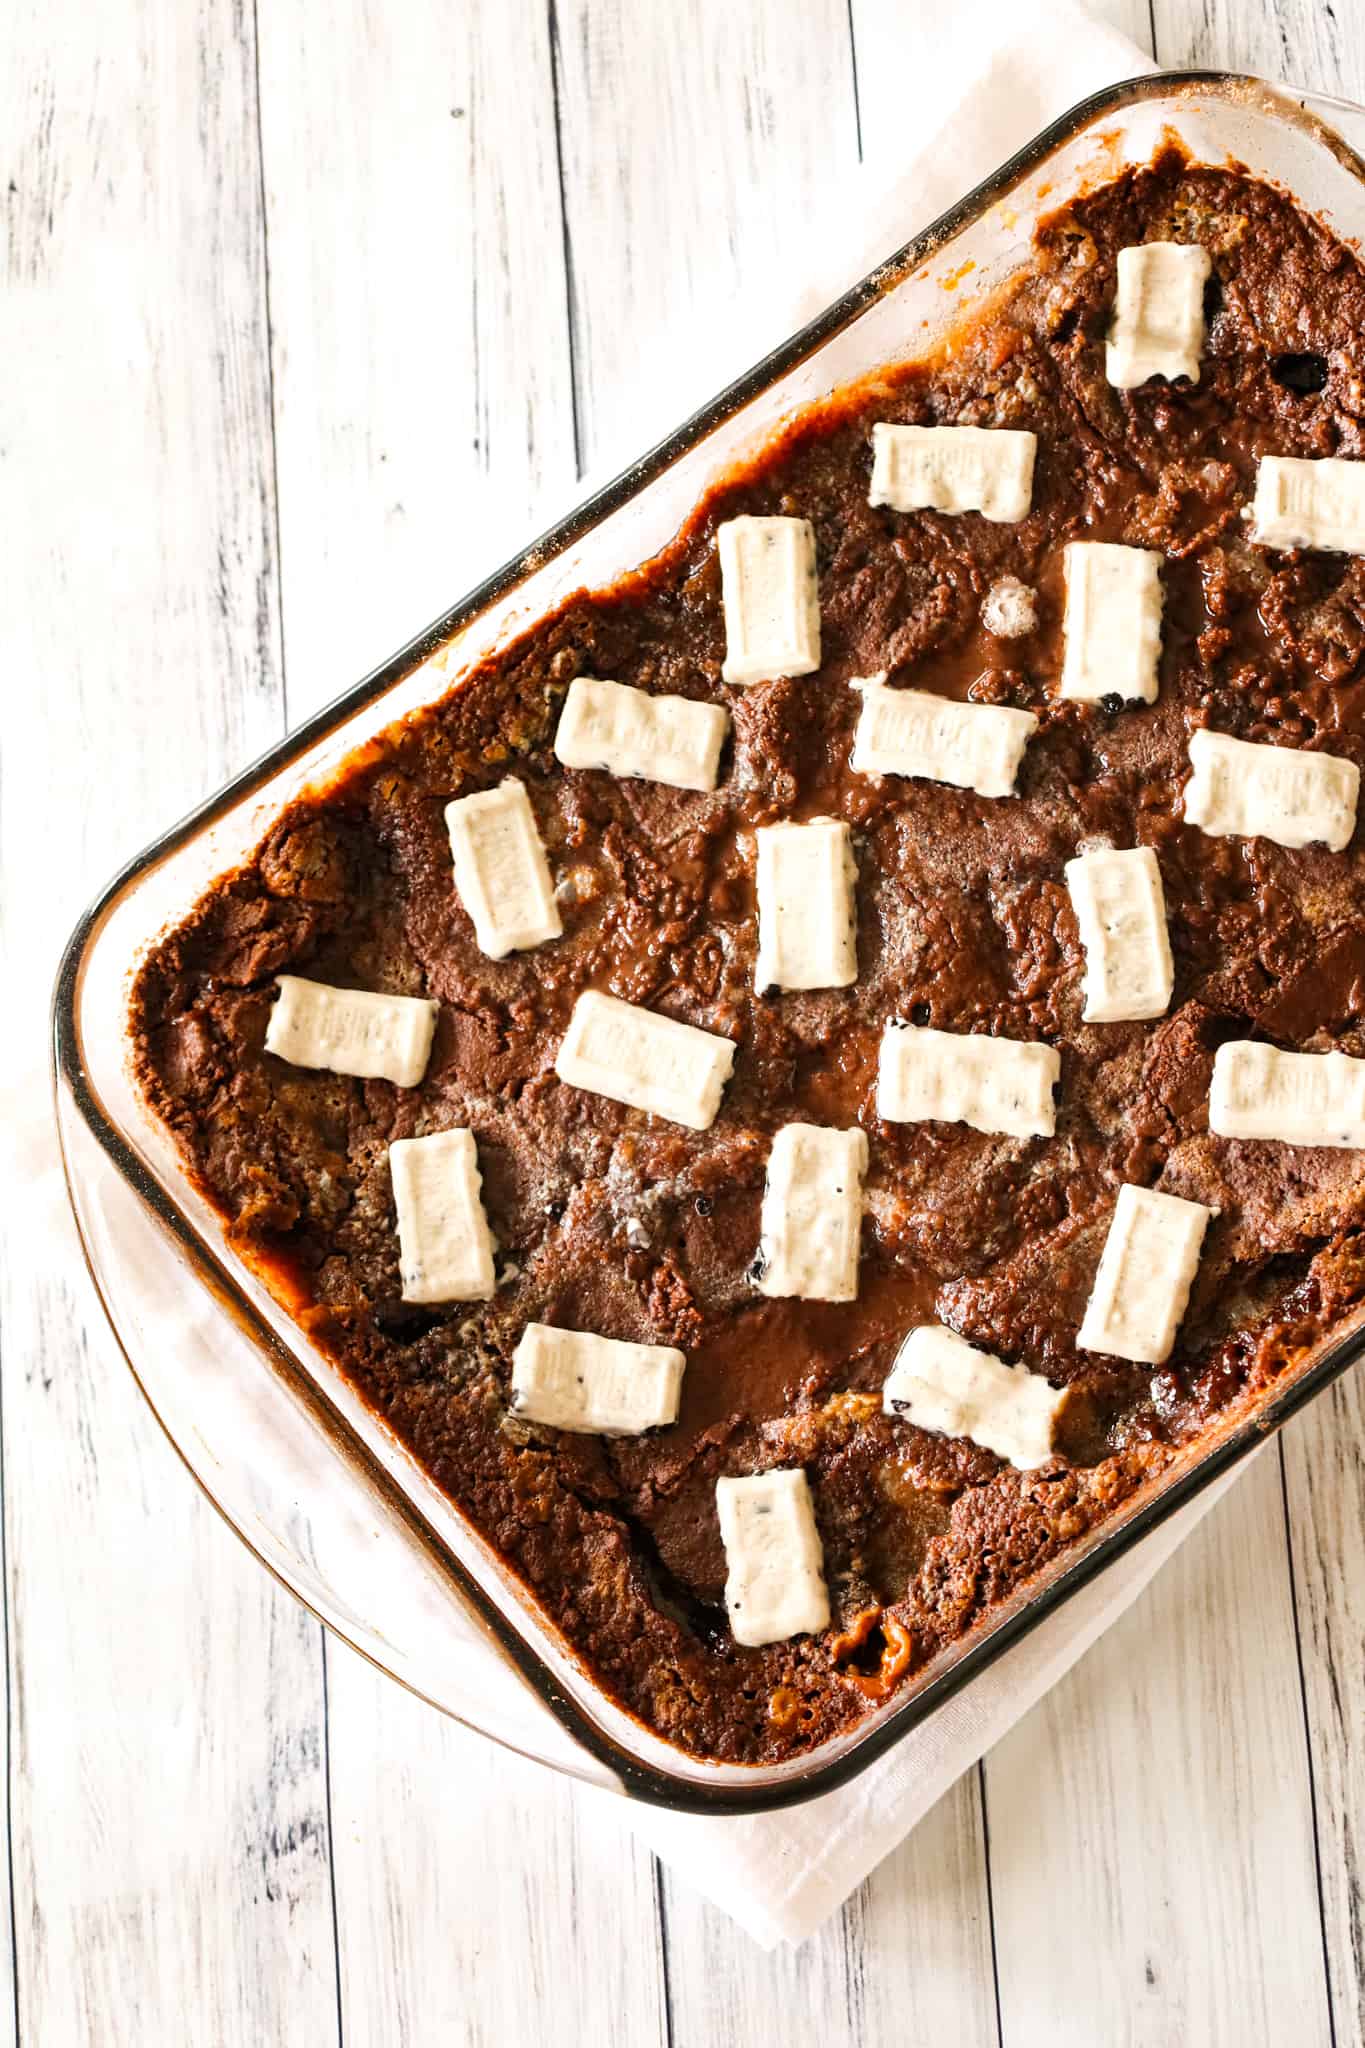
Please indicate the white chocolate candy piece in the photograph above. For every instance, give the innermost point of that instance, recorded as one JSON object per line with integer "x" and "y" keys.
{"x": 1143, "y": 1283}
{"x": 775, "y": 1583}
{"x": 1307, "y": 502}
{"x": 445, "y": 1249}
{"x": 807, "y": 919}
{"x": 500, "y": 870}
{"x": 1158, "y": 315}
{"x": 941, "y": 1382}
{"x": 954, "y": 469}
{"x": 627, "y": 732}
{"x": 1003, "y": 1085}
{"x": 1291, "y": 1098}
{"x": 570, "y": 1379}
{"x": 1121, "y": 910}
{"x": 352, "y": 1031}
{"x": 911, "y": 732}
{"x": 1112, "y": 622}
{"x": 646, "y": 1061}
{"x": 813, "y": 1214}
{"x": 1267, "y": 792}
{"x": 771, "y": 598}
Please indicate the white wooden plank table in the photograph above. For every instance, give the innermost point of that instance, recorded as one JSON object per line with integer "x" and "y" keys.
{"x": 303, "y": 310}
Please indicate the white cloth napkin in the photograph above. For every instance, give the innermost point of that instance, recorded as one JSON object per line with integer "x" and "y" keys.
{"x": 1001, "y": 70}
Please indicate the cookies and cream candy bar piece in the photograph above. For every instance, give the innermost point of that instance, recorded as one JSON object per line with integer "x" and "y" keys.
{"x": 627, "y": 732}
{"x": 1257, "y": 791}
{"x": 445, "y": 1248}
{"x": 571, "y": 1379}
{"x": 1158, "y": 328}
{"x": 813, "y": 1214}
{"x": 941, "y": 1382}
{"x": 501, "y": 871}
{"x": 351, "y": 1031}
{"x": 1310, "y": 502}
{"x": 954, "y": 469}
{"x": 807, "y": 919}
{"x": 1112, "y": 622}
{"x": 1143, "y": 1283}
{"x": 1292, "y": 1098}
{"x": 775, "y": 1578}
{"x": 1003, "y": 1085}
{"x": 771, "y": 598}
{"x": 912, "y": 732}
{"x": 646, "y": 1061}
{"x": 1121, "y": 911}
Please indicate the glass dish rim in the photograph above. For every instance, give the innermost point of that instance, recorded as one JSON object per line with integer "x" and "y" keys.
{"x": 637, "y": 1778}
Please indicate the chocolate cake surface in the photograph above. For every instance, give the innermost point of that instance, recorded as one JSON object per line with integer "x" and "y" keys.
{"x": 609, "y": 1220}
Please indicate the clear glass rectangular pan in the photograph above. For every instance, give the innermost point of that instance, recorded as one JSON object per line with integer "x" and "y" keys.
{"x": 305, "y": 1473}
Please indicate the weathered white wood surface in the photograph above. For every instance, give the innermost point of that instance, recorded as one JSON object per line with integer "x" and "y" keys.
{"x": 1165, "y": 1786}
{"x": 405, "y": 447}
{"x": 238, "y": 461}
{"x": 1322, "y": 1454}
{"x": 168, "y": 1839}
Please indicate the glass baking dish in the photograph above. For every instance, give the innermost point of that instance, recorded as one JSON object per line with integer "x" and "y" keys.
{"x": 304, "y": 1472}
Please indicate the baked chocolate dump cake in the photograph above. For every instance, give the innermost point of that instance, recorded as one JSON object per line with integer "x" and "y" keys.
{"x": 1032, "y": 888}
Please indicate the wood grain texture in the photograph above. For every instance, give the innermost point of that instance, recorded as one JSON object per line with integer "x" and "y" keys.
{"x": 462, "y": 223}
{"x": 169, "y": 1830}
{"x": 480, "y": 1900}
{"x": 726, "y": 124}
{"x": 423, "y": 408}
{"x": 1188, "y": 1866}
{"x": 907, "y": 1961}
{"x": 1319, "y": 45}
{"x": 1152, "y": 1865}
{"x": 1324, "y": 1460}
{"x": 423, "y": 403}
{"x": 1315, "y": 43}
